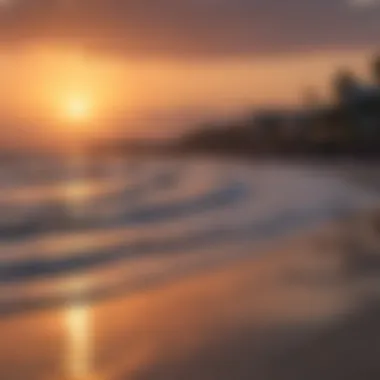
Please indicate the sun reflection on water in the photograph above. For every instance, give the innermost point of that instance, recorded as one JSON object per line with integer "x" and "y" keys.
{"x": 79, "y": 342}
{"x": 78, "y": 315}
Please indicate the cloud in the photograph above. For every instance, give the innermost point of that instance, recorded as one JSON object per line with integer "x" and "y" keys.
{"x": 189, "y": 27}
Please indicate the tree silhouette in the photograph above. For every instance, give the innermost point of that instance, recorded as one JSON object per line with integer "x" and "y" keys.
{"x": 345, "y": 85}
{"x": 376, "y": 70}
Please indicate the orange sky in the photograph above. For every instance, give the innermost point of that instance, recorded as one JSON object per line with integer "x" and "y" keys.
{"x": 151, "y": 97}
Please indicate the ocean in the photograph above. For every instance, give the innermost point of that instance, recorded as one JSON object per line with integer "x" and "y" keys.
{"x": 76, "y": 231}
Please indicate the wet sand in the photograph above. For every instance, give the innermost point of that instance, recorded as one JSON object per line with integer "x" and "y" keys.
{"x": 301, "y": 311}
{"x": 290, "y": 315}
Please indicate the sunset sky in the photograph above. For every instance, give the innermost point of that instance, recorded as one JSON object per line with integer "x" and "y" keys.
{"x": 155, "y": 67}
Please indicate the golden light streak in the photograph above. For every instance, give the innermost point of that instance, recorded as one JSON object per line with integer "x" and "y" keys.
{"x": 79, "y": 342}
{"x": 78, "y": 316}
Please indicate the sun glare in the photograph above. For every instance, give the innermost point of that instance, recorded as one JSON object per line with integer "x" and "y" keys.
{"x": 78, "y": 108}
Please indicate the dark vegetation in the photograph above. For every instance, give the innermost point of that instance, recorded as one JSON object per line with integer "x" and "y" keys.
{"x": 347, "y": 124}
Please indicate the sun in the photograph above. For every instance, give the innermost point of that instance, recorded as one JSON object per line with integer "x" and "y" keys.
{"x": 78, "y": 109}
{"x": 75, "y": 119}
